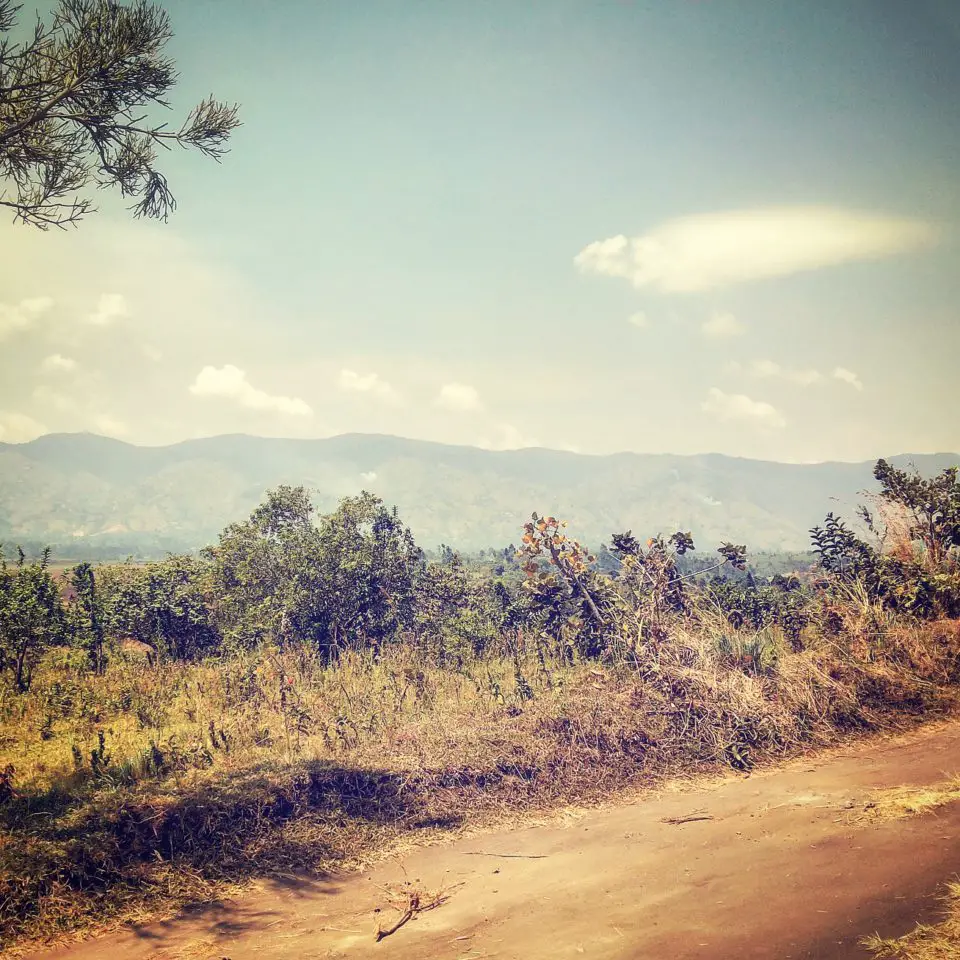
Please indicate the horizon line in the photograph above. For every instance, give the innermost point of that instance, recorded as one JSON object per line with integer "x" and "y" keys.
{"x": 464, "y": 446}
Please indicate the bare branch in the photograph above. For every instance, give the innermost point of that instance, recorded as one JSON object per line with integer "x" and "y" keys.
{"x": 8, "y": 15}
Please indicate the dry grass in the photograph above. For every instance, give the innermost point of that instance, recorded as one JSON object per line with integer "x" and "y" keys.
{"x": 927, "y": 942}
{"x": 214, "y": 774}
{"x": 900, "y": 802}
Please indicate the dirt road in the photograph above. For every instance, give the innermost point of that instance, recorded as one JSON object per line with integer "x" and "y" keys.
{"x": 778, "y": 872}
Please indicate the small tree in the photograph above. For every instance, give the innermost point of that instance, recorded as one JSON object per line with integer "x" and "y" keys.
{"x": 160, "y": 604}
{"x": 262, "y": 569}
{"x": 924, "y": 582}
{"x": 345, "y": 580}
{"x": 31, "y": 616}
{"x": 651, "y": 578}
{"x": 368, "y": 563}
{"x": 87, "y": 615}
{"x": 73, "y": 111}
{"x": 932, "y": 505}
{"x": 543, "y": 537}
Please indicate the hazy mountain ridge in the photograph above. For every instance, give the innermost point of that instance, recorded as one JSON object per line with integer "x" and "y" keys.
{"x": 85, "y": 489}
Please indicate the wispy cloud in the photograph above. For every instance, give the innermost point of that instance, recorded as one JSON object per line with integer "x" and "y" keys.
{"x": 57, "y": 363}
{"x": 770, "y": 370}
{"x": 21, "y": 315}
{"x": 507, "y": 437}
{"x": 110, "y": 308}
{"x": 53, "y": 398}
{"x": 848, "y": 376}
{"x": 109, "y": 426}
{"x": 459, "y": 396}
{"x": 231, "y": 383}
{"x": 739, "y": 407}
{"x": 722, "y": 325}
{"x": 369, "y": 383}
{"x": 18, "y": 427}
{"x": 639, "y": 319}
{"x": 715, "y": 250}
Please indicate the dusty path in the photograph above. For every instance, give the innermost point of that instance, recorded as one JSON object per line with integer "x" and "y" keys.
{"x": 778, "y": 872}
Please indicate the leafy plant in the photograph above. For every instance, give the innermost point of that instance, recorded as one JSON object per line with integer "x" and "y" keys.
{"x": 87, "y": 615}
{"x": 31, "y": 616}
{"x": 924, "y": 584}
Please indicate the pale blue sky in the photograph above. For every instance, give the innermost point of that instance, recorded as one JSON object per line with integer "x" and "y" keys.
{"x": 402, "y": 210}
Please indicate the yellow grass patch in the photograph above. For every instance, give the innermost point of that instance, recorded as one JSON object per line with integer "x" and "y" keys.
{"x": 900, "y": 802}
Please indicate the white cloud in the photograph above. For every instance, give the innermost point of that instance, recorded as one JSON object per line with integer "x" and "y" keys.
{"x": 718, "y": 249}
{"x": 22, "y": 315}
{"x": 110, "y": 307}
{"x": 231, "y": 383}
{"x": 36, "y": 304}
{"x": 737, "y": 406}
{"x": 508, "y": 437}
{"x": 109, "y": 427}
{"x": 53, "y": 398}
{"x": 768, "y": 369}
{"x": 152, "y": 353}
{"x": 369, "y": 476}
{"x": 57, "y": 363}
{"x": 366, "y": 383}
{"x": 848, "y": 376}
{"x": 721, "y": 325}
{"x": 459, "y": 396}
{"x": 639, "y": 319}
{"x": 18, "y": 428}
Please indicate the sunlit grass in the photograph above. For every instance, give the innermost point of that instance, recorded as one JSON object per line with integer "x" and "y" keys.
{"x": 898, "y": 803}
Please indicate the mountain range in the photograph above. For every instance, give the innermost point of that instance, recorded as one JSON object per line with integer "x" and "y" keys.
{"x": 96, "y": 496}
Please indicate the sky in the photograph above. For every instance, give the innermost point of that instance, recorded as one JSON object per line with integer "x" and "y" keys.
{"x": 689, "y": 226}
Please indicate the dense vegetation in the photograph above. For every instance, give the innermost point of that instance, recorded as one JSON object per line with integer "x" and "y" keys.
{"x": 309, "y": 685}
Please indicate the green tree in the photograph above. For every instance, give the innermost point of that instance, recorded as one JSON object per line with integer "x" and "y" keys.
{"x": 933, "y": 507}
{"x": 368, "y": 563}
{"x": 924, "y": 582}
{"x": 344, "y": 580}
{"x": 31, "y": 616}
{"x": 88, "y": 615}
{"x": 460, "y": 612}
{"x": 75, "y": 98}
{"x": 162, "y": 604}
{"x": 262, "y": 570}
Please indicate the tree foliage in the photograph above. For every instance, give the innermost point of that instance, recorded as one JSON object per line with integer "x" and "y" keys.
{"x": 933, "y": 506}
{"x": 31, "y": 617}
{"x": 75, "y": 103}
{"x": 161, "y": 604}
{"x": 342, "y": 581}
{"x": 87, "y": 615}
{"x": 920, "y": 577}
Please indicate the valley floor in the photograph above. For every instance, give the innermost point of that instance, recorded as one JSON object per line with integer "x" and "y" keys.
{"x": 784, "y": 864}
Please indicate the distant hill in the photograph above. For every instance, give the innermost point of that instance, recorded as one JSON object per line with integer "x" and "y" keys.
{"x": 91, "y": 495}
